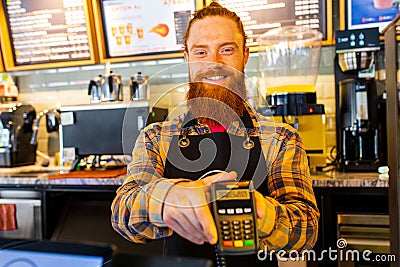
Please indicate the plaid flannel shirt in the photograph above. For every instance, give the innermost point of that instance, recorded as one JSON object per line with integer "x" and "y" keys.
{"x": 291, "y": 221}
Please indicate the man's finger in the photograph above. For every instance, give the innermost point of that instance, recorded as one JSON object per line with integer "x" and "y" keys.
{"x": 207, "y": 223}
{"x": 220, "y": 177}
{"x": 206, "y": 220}
{"x": 185, "y": 224}
{"x": 177, "y": 228}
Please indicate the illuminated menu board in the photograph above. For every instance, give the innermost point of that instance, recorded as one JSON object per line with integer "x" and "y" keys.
{"x": 1, "y": 63}
{"x": 42, "y": 32}
{"x": 138, "y": 27}
{"x": 261, "y": 16}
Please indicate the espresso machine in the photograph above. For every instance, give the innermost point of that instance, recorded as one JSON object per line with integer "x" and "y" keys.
{"x": 360, "y": 102}
{"x": 16, "y": 125}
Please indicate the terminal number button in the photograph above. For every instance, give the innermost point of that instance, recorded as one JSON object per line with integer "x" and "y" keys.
{"x": 239, "y": 210}
{"x": 225, "y": 227}
{"x": 238, "y": 243}
{"x": 227, "y": 243}
{"x": 247, "y": 210}
{"x": 221, "y": 211}
{"x": 248, "y": 243}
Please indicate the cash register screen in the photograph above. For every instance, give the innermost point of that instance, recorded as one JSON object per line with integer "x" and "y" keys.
{"x": 15, "y": 258}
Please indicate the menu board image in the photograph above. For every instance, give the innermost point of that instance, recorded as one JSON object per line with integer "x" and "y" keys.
{"x": 260, "y": 16}
{"x": 137, "y": 27}
{"x": 363, "y": 14}
{"x": 43, "y": 32}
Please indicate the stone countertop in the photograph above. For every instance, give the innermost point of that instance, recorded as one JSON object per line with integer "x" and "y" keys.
{"x": 348, "y": 179}
{"x": 39, "y": 176}
{"x": 43, "y": 180}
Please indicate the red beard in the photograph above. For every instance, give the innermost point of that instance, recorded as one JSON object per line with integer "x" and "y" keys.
{"x": 215, "y": 104}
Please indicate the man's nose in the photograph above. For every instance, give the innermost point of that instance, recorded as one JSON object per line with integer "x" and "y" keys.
{"x": 215, "y": 57}
{"x": 214, "y": 66}
{"x": 214, "y": 61}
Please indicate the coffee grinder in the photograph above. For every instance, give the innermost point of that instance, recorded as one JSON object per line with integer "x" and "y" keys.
{"x": 360, "y": 105}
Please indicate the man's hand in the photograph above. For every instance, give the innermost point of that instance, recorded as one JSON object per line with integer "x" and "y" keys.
{"x": 260, "y": 204}
{"x": 186, "y": 209}
{"x": 266, "y": 217}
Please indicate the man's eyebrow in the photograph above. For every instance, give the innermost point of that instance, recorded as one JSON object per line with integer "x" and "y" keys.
{"x": 198, "y": 46}
{"x": 195, "y": 46}
{"x": 229, "y": 43}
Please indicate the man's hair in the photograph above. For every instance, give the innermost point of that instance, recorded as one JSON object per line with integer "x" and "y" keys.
{"x": 214, "y": 10}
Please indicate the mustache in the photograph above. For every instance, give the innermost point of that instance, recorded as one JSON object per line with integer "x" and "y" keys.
{"x": 199, "y": 76}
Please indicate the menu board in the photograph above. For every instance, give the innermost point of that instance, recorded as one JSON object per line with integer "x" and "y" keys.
{"x": 1, "y": 63}
{"x": 42, "y": 32}
{"x": 260, "y": 16}
{"x": 361, "y": 14}
{"x": 138, "y": 27}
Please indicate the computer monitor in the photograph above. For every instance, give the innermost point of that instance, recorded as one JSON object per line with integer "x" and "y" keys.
{"x": 34, "y": 253}
{"x": 130, "y": 260}
{"x": 42, "y": 253}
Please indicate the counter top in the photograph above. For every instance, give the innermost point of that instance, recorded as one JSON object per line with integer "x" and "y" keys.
{"x": 348, "y": 179}
{"x": 40, "y": 176}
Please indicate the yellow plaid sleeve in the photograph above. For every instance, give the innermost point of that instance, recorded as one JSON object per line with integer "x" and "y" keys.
{"x": 137, "y": 207}
{"x": 292, "y": 216}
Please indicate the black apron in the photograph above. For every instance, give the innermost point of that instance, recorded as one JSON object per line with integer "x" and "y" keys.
{"x": 219, "y": 151}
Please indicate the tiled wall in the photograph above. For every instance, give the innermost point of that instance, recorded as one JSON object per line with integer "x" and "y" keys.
{"x": 53, "y": 88}
{"x": 326, "y": 95}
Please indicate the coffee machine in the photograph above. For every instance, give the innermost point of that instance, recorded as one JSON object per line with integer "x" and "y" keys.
{"x": 360, "y": 102}
{"x": 16, "y": 133}
{"x": 289, "y": 62}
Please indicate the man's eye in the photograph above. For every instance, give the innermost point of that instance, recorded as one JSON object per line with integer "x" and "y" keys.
{"x": 199, "y": 53}
{"x": 227, "y": 50}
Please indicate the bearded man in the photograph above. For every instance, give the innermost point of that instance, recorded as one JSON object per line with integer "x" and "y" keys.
{"x": 163, "y": 195}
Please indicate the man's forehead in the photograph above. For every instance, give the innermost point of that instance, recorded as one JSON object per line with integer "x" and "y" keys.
{"x": 213, "y": 23}
{"x": 214, "y": 29}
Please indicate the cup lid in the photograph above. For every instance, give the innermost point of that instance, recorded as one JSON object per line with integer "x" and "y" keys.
{"x": 289, "y": 34}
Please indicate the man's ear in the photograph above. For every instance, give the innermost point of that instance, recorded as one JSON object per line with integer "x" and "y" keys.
{"x": 186, "y": 56}
{"x": 246, "y": 55}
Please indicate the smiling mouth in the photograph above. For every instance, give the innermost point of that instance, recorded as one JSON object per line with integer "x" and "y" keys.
{"x": 216, "y": 78}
